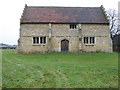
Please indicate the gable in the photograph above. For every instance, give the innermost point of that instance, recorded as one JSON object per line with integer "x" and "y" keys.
{"x": 33, "y": 14}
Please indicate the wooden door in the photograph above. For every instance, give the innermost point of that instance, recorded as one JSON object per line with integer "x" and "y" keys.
{"x": 64, "y": 45}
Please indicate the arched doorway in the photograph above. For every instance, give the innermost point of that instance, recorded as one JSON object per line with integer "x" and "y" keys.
{"x": 64, "y": 45}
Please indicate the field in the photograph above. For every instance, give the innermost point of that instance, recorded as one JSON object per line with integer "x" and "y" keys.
{"x": 59, "y": 70}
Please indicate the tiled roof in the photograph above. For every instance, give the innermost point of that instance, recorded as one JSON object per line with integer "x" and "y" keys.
{"x": 34, "y": 14}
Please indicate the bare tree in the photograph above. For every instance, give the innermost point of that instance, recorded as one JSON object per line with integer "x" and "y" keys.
{"x": 113, "y": 20}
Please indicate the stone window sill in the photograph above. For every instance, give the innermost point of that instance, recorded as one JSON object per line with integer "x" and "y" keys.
{"x": 38, "y": 44}
{"x": 89, "y": 44}
{"x": 74, "y": 29}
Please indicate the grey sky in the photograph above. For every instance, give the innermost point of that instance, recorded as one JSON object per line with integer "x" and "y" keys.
{"x": 11, "y": 10}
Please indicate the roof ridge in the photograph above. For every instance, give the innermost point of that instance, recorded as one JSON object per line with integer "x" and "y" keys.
{"x": 60, "y": 7}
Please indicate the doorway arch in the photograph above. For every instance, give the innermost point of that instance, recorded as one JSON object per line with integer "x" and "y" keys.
{"x": 64, "y": 45}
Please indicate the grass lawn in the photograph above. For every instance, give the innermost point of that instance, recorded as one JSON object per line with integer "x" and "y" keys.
{"x": 59, "y": 70}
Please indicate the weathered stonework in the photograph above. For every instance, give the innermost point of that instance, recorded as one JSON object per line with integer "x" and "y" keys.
{"x": 55, "y": 33}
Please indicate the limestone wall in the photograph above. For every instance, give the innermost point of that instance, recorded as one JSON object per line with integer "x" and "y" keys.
{"x": 26, "y": 46}
{"x": 34, "y": 30}
{"x": 59, "y": 32}
{"x": 73, "y": 44}
{"x": 103, "y": 42}
{"x": 27, "y": 32}
{"x": 64, "y": 30}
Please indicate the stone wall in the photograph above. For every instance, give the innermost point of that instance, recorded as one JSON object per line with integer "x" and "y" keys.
{"x": 57, "y": 32}
{"x": 73, "y": 44}
{"x": 27, "y": 32}
{"x": 101, "y": 33}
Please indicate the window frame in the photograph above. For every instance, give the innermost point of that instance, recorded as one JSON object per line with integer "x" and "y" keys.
{"x": 91, "y": 40}
{"x": 39, "y": 40}
{"x": 34, "y": 40}
{"x": 73, "y": 26}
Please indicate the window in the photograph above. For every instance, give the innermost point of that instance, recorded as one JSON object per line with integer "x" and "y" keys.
{"x": 42, "y": 40}
{"x": 73, "y": 26}
{"x": 92, "y": 40}
{"x": 85, "y": 40}
{"x": 39, "y": 40}
{"x": 89, "y": 40}
{"x": 35, "y": 40}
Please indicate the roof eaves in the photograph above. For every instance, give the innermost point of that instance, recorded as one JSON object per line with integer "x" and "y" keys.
{"x": 61, "y": 23}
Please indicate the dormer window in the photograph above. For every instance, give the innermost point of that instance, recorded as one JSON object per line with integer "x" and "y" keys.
{"x": 73, "y": 26}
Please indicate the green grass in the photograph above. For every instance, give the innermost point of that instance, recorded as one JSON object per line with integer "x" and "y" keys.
{"x": 0, "y": 69}
{"x": 59, "y": 70}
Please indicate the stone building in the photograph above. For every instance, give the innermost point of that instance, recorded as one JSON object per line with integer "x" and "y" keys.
{"x": 64, "y": 29}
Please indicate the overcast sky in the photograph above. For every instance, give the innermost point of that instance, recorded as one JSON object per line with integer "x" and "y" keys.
{"x": 11, "y": 10}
